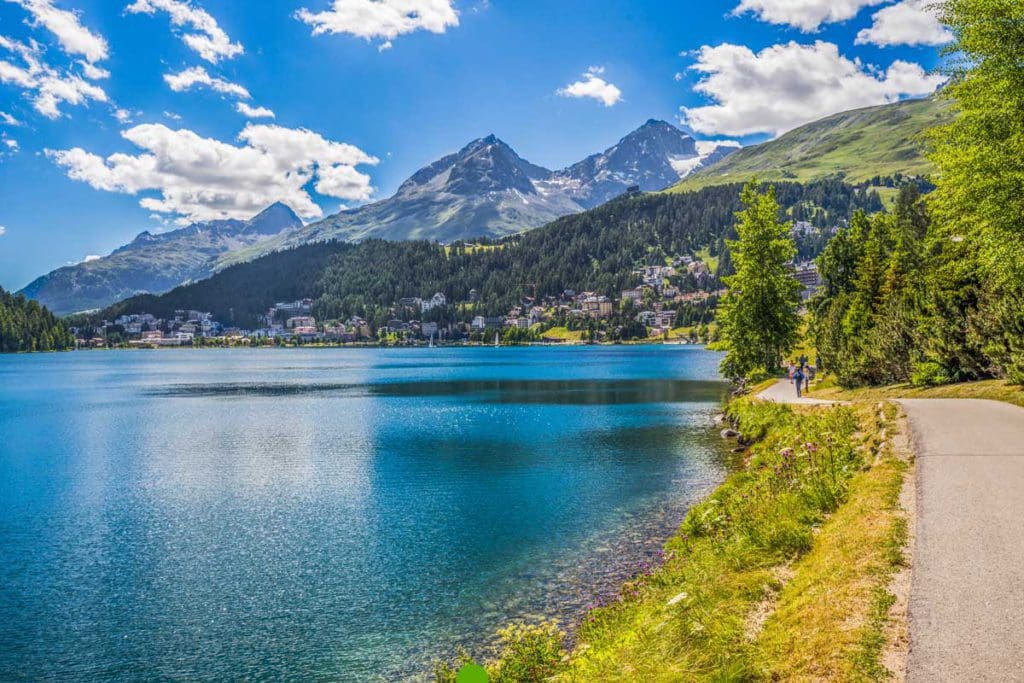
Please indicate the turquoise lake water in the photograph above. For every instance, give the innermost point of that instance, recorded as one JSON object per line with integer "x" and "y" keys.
{"x": 330, "y": 514}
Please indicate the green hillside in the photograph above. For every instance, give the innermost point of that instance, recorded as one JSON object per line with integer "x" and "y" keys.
{"x": 855, "y": 145}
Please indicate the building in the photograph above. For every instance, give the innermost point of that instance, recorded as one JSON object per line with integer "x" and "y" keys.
{"x": 596, "y": 306}
{"x": 300, "y": 321}
{"x": 429, "y": 330}
{"x": 439, "y": 300}
{"x": 808, "y": 276}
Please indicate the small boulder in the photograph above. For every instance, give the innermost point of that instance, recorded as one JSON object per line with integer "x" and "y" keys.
{"x": 729, "y": 433}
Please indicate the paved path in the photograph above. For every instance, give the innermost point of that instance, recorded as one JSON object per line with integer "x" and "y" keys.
{"x": 784, "y": 392}
{"x": 967, "y": 585}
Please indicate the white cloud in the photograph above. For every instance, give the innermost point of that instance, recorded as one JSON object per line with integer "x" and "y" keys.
{"x": 92, "y": 71}
{"x": 911, "y": 22}
{"x": 11, "y": 144}
{"x": 594, "y": 87}
{"x": 49, "y": 86}
{"x": 125, "y": 116}
{"x": 784, "y": 86}
{"x": 208, "y": 38}
{"x": 197, "y": 75}
{"x": 806, "y": 15}
{"x": 3, "y": 231}
{"x": 91, "y": 257}
{"x": 8, "y": 120}
{"x": 172, "y": 116}
{"x": 202, "y": 179}
{"x": 385, "y": 19}
{"x": 253, "y": 112}
{"x": 74, "y": 38}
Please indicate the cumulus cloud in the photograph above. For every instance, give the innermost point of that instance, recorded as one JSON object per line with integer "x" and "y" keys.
{"x": 11, "y": 144}
{"x": 911, "y": 22}
{"x": 74, "y": 38}
{"x": 784, "y": 86}
{"x": 201, "y": 179}
{"x": 48, "y": 86}
{"x": 253, "y": 112}
{"x": 806, "y": 15}
{"x": 198, "y": 76}
{"x": 204, "y": 34}
{"x": 384, "y": 19}
{"x": 8, "y": 120}
{"x": 3, "y": 231}
{"x": 594, "y": 87}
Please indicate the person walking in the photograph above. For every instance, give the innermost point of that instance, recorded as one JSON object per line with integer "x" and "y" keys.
{"x": 790, "y": 372}
{"x": 806, "y": 372}
{"x": 798, "y": 379}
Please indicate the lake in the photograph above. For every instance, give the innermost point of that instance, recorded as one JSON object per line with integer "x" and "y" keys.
{"x": 330, "y": 514}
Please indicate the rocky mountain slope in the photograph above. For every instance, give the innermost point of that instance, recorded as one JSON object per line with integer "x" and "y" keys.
{"x": 487, "y": 190}
{"x": 155, "y": 263}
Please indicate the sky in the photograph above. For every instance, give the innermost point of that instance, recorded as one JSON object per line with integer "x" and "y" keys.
{"x": 118, "y": 116}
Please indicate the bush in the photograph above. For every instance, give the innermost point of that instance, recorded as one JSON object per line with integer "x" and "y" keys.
{"x": 929, "y": 374}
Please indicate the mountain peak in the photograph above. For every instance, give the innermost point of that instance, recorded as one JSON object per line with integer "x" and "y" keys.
{"x": 273, "y": 219}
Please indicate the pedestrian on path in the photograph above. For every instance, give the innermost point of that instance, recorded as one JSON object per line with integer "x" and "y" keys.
{"x": 798, "y": 380}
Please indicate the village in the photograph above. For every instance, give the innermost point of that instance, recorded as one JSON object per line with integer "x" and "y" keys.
{"x": 652, "y": 310}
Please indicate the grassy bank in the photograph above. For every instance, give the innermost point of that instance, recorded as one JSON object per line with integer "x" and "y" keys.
{"x": 993, "y": 389}
{"x": 781, "y": 574}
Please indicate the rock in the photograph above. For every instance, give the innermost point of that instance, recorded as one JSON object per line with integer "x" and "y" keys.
{"x": 729, "y": 433}
{"x": 740, "y": 449}
{"x": 720, "y": 418}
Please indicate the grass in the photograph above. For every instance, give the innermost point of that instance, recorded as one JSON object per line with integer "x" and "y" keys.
{"x": 856, "y": 145}
{"x": 562, "y": 333}
{"x": 993, "y": 390}
{"x": 778, "y": 575}
{"x": 711, "y": 261}
{"x": 830, "y": 619}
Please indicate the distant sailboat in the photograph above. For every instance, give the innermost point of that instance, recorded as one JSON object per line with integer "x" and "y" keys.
{"x": 431, "y": 340}
{"x": 497, "y": 340}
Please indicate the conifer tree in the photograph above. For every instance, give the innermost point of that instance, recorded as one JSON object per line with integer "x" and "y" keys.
{"x": 758, "y": 316}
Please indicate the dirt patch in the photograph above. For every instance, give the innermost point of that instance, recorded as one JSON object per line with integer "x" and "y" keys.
{"x": 781, "y": 575}
{"x": 897, "y": 631}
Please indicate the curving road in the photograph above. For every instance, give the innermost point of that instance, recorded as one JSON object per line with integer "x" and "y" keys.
{"x": 967, "y": 586}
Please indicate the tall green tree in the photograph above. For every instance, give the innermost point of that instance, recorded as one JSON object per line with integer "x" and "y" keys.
{"x": 758, "y": 316}
{"x": 976, "y": 246}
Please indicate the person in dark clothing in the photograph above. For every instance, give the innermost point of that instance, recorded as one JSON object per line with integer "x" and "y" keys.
{"x": 798, "y": 380}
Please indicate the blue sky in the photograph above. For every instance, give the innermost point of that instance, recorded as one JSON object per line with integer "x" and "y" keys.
{"x": 118, "y": 116}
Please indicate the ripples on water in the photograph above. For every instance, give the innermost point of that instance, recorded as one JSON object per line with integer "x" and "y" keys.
{"x": 330, "y": 514}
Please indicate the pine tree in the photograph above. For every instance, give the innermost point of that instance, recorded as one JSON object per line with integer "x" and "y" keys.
{"x": 758, "y": 316}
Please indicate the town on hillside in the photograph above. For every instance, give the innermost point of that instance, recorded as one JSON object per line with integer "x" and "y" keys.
{"x": 674, "y": 302}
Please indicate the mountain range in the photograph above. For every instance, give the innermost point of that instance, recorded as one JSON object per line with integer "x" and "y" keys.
{"x": 484, "y": 190}
{"x": 487, "y": 190}
{"x": 155, "y": 262}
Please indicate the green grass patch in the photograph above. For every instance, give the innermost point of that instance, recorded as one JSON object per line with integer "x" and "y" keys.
{"x": 993, "y": 390}
{"x": 562, "y": 333}
{"x": 711, "y": 261}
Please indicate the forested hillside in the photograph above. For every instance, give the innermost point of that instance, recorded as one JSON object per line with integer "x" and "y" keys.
{"x": 596, "y": 250}
{"x": 27, "y": 326}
